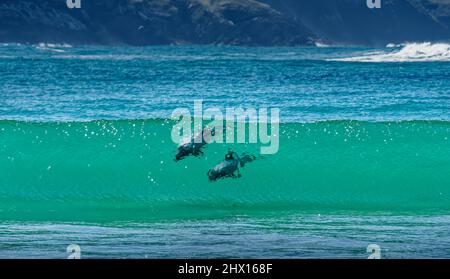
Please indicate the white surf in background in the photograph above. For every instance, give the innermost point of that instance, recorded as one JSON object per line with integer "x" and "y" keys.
{"x": 321, "y": 44}
{"x": 410, "y": 52}
{"x": 53, "y": 47}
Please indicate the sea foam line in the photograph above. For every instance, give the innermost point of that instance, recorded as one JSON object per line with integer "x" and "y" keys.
{"x": 411, "y": 52}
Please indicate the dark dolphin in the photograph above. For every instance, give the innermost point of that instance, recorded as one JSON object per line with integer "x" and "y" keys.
{"x": 194, "y": 145}
{"x": 230, "y": 166}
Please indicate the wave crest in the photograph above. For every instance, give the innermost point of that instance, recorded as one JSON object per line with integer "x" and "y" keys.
{"x": 412, "y": 52}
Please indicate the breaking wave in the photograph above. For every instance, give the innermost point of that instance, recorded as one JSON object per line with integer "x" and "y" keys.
{"x": 321, "y": 44}
{"x": 53, "y": 47}
{"x": 79, "y": 170}
{"x": 412, "y": 52}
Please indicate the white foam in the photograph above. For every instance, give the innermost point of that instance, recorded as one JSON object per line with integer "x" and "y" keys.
{"x": 411, "y": 52}
{"x": 9, "y": 44}
{"x": 321, "y": 45}
{"x": 52, "y": 47}
{"x": 49, "y": 45}
{"x": 392, "y": 45}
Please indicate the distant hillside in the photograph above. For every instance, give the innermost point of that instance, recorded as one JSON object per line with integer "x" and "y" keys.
{"x": 350, "y": 21}
{"x": 231, "y": 22}
{"x": 147, "y": 22}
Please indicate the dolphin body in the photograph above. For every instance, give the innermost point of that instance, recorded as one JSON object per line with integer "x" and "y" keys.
{"x": 230, "y": 166}
{"x": 194, "y": 145}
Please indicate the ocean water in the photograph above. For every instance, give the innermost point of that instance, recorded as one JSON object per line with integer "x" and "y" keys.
{"x": 86, "y": 155}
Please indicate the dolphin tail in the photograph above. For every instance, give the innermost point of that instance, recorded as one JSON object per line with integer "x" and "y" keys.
{"x": 246, "y": 158}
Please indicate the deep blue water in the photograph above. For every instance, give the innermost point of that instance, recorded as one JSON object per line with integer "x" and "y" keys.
{"x": 85, "y": 83}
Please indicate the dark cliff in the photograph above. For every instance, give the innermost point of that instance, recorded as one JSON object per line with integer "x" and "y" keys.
{"x": 231, "y": 22}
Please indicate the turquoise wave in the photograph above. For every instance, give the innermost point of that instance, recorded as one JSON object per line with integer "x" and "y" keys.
{"x": 108, "y": 170}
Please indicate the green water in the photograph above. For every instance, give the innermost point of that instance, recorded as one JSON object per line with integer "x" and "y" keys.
{"x": 124, "y": 170}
